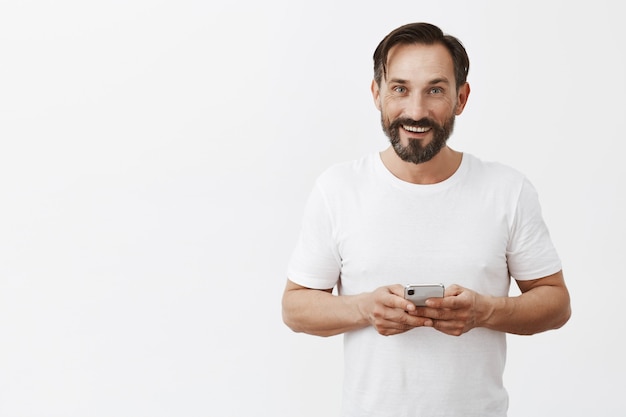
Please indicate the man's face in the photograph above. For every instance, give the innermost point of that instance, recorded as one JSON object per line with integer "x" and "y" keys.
{"x": 418, "y": 100}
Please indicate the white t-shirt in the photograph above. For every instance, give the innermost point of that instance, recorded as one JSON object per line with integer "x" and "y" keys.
{"x": 364, "y": 228}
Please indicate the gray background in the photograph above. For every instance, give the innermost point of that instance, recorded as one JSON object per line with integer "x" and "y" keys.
{"x": 155, "y": 161}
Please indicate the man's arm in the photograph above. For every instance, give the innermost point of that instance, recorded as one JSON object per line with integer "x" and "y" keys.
{"x": 544, "y": 304}
{"x": 321, "y": 313}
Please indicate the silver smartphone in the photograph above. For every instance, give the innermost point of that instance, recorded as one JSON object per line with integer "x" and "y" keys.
{"x": 418, "y": 293}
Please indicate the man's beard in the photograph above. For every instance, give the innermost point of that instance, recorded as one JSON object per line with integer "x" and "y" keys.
{"x": 414, "y": 152}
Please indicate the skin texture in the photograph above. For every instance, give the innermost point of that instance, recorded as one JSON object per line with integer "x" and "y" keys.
{"x": 420, "y": 85}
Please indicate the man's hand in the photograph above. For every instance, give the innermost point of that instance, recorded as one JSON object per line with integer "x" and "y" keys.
{"x": 458, "y": 312}
{"x": 389, "y": 313}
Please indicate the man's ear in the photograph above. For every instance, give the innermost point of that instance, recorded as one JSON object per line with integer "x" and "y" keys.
{"x": 376, "y": 94}
{"x": 461, "y": 100}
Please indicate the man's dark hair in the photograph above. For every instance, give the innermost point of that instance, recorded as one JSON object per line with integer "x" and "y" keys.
{"x": 421, "y": 33}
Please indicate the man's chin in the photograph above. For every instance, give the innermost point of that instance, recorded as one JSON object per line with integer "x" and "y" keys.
{"x": 416, "y": 143}
{"x": 417, "y": 155}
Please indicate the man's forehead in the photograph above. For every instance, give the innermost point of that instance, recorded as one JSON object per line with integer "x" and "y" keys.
{"x": 408, "y": 59}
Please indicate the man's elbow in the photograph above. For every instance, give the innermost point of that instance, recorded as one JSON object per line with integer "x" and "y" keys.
{"x": 287, "y": 315}
{"x": 564, "y": 317}
{"x": 291, "y": 322}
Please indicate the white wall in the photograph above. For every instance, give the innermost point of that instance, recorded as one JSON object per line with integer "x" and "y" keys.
{"x": 154, "y": 161}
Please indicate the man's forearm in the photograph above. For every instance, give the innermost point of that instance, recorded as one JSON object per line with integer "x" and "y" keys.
{"x": 321, "y": 313}
{"x": 539, "y": 308}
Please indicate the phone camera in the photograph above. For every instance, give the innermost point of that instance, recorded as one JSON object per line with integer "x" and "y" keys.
{"x": 411, "y": 292}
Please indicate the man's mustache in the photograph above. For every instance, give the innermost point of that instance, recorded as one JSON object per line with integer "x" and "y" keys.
{"x": 423, "y": 122}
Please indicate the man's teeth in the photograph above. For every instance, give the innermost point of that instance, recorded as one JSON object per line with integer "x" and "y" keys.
{"x": 416, "y": 129}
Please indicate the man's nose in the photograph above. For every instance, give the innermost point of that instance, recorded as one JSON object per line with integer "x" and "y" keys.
{"x": 416, "y": 107}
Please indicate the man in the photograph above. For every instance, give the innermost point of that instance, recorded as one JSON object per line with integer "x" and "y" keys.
{"x": 421, "y": 212}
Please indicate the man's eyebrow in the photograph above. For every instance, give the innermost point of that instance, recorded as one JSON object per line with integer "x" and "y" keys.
{"x": 398, "y": 81}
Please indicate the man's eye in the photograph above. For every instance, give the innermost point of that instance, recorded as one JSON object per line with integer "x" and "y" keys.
{"x": 400, "y": 89}
{"x": 436, "y": 90}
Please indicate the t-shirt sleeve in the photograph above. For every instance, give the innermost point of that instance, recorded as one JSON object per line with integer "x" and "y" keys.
{"x": 315, "y": 261}
{"x": 530, "y": 252}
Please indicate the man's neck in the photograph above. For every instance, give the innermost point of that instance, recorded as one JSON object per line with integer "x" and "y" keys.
{"x": 438, "y": 169}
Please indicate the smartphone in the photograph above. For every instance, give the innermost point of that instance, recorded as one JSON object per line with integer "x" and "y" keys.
{"x": 418, "y": 293}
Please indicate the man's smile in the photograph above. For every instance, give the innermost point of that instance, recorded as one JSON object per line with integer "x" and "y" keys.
{"x": 416, "y": 129}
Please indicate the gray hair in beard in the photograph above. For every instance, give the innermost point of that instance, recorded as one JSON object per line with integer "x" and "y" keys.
{"x": 414, "y": 152}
